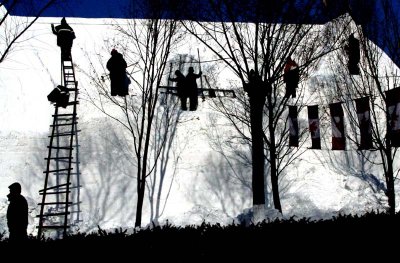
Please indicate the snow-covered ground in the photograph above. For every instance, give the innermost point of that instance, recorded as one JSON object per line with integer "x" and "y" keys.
{"x": 313, "y": 187}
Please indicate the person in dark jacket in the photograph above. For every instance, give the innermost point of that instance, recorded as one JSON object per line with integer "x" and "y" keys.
{"x": 291, "y": 77}
{"x": 65, "y": 37}
{"x": 191, "y": 86}
{"x": 17, "y": 214}
{"x": 117, "y": 67}
{"x": 353, "y": 53}
{"x": 182, "y": 91}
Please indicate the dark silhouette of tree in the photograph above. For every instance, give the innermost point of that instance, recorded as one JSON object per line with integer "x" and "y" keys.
{"x": 378, "y": 75}
{"x": 146, "y": 46}
{"x": 264, "y": 48}
{"x": 351, "y": 162}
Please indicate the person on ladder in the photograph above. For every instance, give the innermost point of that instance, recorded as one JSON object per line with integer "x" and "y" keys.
{"x": 353, "y": 53}
{"x": 291, "y": 77}
{"x": 191, "y": 87}
{"x": 119, "y": 80}
{"x": 65, "y": 37}
{"x": 180, "y": 80}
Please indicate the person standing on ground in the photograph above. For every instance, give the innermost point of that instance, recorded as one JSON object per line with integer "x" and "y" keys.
{"x": 17, "y": 214}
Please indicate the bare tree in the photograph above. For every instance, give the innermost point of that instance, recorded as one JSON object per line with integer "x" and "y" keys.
{"x": 147, "y": 45}
{"x": 352, "y": 161}
{"x": 167, "y": 118}
{"x": 12, "y": 27}
{"x": 264, "y": 47}
{"x": 377, "y": 76}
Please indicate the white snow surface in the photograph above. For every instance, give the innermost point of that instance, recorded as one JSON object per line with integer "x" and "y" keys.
{"x": 313, "y": 187}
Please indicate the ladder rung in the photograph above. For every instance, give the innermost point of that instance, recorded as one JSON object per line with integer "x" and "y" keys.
{"x": 55, "y": 203}
{"x": 70, "y": 173}
{"x": 59, "y": 119}
{"x": 65, "y": 118}
{"x": 64, "y": 124}
{"x": 64, "y": 114}
{"x": 54, "y": 214}
{"x": 53, "y": 227}
{"x": 60, "y": 147}
{"x": 62, "y": 134}
{"x": 59, "y": 158}
{"x": 62, "y": 161}
{"x": 59, "y": 190}
{"x": 72, "y": 89}
{"x": 54, "y": 187}
{"x": 66, "y": 161}
{"x": 73, "y": 102}
{"x": 55, "y": 193}
{"x": 58, "y": 170}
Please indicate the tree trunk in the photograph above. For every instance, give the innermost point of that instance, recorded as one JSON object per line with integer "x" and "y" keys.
{"x": 139, "y": 206}
{"x": 272, "y": 158}
{"x": 256, "y": 121}
{"x": 390, "y": 193}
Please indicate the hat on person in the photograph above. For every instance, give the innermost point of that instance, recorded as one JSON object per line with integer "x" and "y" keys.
{"x": 114, "y": 51}
{"x": 15, "y": 187}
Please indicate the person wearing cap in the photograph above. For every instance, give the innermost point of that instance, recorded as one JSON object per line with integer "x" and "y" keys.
{"x": 183, "y": 94}
{"x": 65, "y": 37}
{"x": 17, "y": 214}
{"x": 353, "y": 53}
{"x": 117, "y": 67}
{"x": 291, "y": 77}
{"x": 192, "y": 88}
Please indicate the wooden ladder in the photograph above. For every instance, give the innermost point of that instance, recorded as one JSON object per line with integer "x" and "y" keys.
{"x": 61, "y": 191}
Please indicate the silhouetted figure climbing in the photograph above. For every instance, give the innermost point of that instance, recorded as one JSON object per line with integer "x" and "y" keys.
{"x": 291, "y": 77}
{"x": 17, "y": 214}
{"x": 191, "y": 86}
{"x": 119, "y": 80}
{"x": 59, "y": 96}
{"x": 181, "y": 88}
{"x": 353, "y": 54}
{"x": 65, "y": 37}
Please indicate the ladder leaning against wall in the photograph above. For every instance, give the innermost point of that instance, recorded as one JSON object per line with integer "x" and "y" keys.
{"x": 60, "y": 205}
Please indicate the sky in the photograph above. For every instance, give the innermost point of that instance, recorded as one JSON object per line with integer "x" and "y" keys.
{"x": 315, "y": 186}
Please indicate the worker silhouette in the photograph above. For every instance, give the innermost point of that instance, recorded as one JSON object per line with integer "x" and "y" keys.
{"x": 353, "y": 54}
{"x": 65, "y": 37}
{"x": 291, "y": 77}
{"x": 191, "y": 86}
{"x": 119, "y": 80}
{"x": 181, "y": 88}
{"x": 17, "y": 214}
